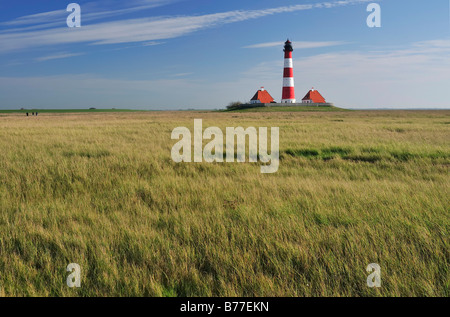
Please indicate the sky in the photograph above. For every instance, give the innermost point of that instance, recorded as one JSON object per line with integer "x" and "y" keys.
{"x": 204, "y": 54}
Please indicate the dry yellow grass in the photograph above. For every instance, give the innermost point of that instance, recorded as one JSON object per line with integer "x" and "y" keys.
{"x": 101, "y": 190}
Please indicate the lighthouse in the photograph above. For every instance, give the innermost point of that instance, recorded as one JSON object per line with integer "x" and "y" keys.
{"x": 288, "y": 77}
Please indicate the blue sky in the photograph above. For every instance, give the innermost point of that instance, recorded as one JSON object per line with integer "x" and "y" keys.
{"x": 179, "y": 54}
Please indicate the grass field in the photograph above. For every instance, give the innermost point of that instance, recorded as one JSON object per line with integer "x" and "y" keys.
{"x": 101, "y": 190}
{"x": 40, "y": 111}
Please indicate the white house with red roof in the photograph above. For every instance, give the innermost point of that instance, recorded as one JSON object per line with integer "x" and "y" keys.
{"x": 262, "y": 96}
{"x": 313, "y": 96}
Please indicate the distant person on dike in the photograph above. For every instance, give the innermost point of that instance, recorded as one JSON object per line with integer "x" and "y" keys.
{"x": 36, "y": 114}
{"x": 27, "y": 114}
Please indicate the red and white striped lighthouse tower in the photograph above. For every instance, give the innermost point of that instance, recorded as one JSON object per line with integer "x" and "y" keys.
{"x": 288, "y": 78}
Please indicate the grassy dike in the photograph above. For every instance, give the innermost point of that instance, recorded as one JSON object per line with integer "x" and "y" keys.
{"x": 289, "y": 109}
{"x": 353, "y": 188}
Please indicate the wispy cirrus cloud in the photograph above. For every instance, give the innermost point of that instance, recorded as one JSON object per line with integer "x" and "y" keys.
{"x": 43, "y": 17}
{"x": 91, "y": 11}
{"x": 57, "y": 56}
{"x": 180, "y": 75}
{"x": 416, "y": 75}
{"x": 144, "y": 29}
{"x": 298, "y": 45}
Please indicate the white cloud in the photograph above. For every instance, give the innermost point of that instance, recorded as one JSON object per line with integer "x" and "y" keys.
{"x": 57, "y": 56}
{"x": 91, "y": 11}
{"x": 153, "y": 43}
{"x": 415, "y": 76}
{"x": 297, "y": 45}
{"x": 43, "y": 17}
{"x": 180, "y": 75}
{"x": 144, "y": 29}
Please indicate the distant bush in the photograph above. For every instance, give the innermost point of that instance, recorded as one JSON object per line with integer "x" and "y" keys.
{"x": 234, "y": 105}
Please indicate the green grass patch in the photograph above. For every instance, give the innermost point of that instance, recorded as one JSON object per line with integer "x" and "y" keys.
{"x": 325, "y": 154}
{"x": 367, "y": 158}
{"x": 30, "y": 111}
{"x": 303, "y": 152}
{"x": 290, "y": 109}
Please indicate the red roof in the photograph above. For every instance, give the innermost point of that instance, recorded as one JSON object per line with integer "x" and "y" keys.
{"x": 315, "y": 96}
{"x": 263, "y": 96}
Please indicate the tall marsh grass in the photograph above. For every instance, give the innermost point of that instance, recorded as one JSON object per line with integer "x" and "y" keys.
{"x": 101, "y": 190}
